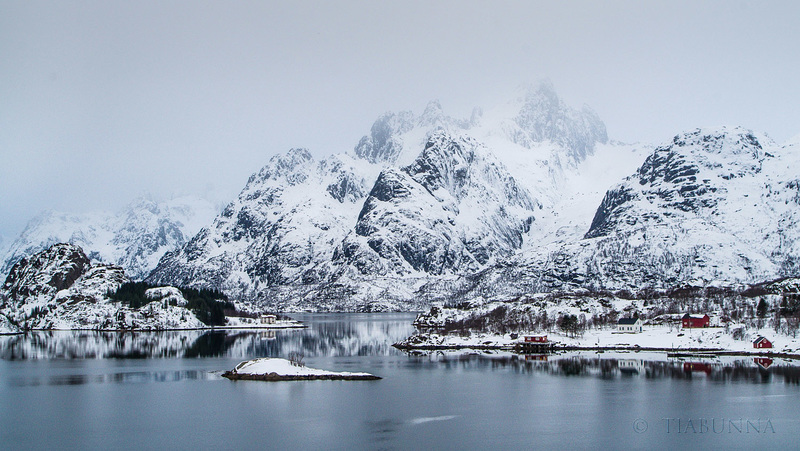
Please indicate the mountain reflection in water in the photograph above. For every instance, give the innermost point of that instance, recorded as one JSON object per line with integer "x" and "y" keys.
{"x": 330, "y": 335}
{"x": 733, "y": 369}
{"x": 131, "y": 377}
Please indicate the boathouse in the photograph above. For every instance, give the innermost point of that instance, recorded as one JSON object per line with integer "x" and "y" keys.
{"x": 534, "y": 343}
{"x": 267, "y": 319}
{"x": 691, "y": 321}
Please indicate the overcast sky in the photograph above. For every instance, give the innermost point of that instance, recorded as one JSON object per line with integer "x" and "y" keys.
{"x": 102, "y": 101}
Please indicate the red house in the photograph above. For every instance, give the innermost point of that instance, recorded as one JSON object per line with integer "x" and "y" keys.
{"x": 761, "y": 342}
{"x": 695, "y": 320}
{"x": 536, "y": 339}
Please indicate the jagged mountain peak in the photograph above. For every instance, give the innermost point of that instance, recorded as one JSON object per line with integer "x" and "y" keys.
{"x": 718, "y": 152}
{"x": 395, "y": 138}
{"x": 384, "y": 143}
{"x": 543, "y": 116}
{"x": 291, "y": 167}
{"x": 726, "y": 140}
{"x": 433, "y": 115}
{"x": 684, "y": 176}
{"x": 714, "y": 203}
{"x": 449, "y": 163}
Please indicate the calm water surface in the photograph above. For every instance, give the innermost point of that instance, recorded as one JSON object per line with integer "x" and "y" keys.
{"x": 81, "y": 390}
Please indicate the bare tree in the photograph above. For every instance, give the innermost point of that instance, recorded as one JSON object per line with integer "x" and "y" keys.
{"x": 296, "y": 358}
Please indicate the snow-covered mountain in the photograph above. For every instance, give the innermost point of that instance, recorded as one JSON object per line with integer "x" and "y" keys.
{"x": 59, "y": 288}
{"x": 725, "y": 202}
{"x": 282, "y": 228}
{"x": 418, "y": 197}
{"x": 528, "y": 197}
{"x": 134, "y": 238}
{"x": 714, "y": 207}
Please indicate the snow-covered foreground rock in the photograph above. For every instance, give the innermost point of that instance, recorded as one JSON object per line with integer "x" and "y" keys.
{"x": 273, "y": 369}
{"x": 59, "y": 288}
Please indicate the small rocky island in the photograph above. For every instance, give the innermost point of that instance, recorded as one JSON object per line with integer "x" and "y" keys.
{"x": 272, "y": 369}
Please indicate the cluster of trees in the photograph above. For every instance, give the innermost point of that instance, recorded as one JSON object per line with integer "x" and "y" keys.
{"x": 209, "y": 306}
{"x": 131, "y": 294}
{"x": 508, "y": 319}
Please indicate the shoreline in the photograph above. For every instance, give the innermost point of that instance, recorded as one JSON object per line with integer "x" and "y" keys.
{"x": 176, "y": 329}
{"x": 274, "y": 377}
{"x": 671, "y": 352}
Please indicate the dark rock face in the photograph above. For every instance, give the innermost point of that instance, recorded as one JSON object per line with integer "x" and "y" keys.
{"x": 383, "y": 143}
{"x": 545, "y": 117}
{"x": 47, "y": 272}
{"x": 347, "y": 188}
{"x": 683, "y": 176}
{"x": 450, "y": 211}
{"x": 613, "y": 204}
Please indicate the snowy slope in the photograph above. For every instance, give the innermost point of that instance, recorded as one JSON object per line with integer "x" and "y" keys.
{"x": 134, "y": 238}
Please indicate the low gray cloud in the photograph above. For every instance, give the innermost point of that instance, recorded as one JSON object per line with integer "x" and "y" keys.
{"x": 103, "y": 100}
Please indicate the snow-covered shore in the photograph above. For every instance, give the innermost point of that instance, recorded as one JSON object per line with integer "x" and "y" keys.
{"x": 272, "y": 369}
{"x": 662, "y": 338}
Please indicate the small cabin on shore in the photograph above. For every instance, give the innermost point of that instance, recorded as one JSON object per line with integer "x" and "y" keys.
{"x": 692, "y": 321}
{"x": 629, "y": 325}
{"x": 535, "y": 339}
{"x": 761, "y": 342}
{"x": 267, "y": 319}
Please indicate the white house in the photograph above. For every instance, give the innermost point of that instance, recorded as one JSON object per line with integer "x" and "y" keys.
{"x": 629, "y": 325}
{"x": 268, "y": 319}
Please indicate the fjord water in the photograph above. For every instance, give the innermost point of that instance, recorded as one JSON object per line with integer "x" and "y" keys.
{"x": 87, "y": 390}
